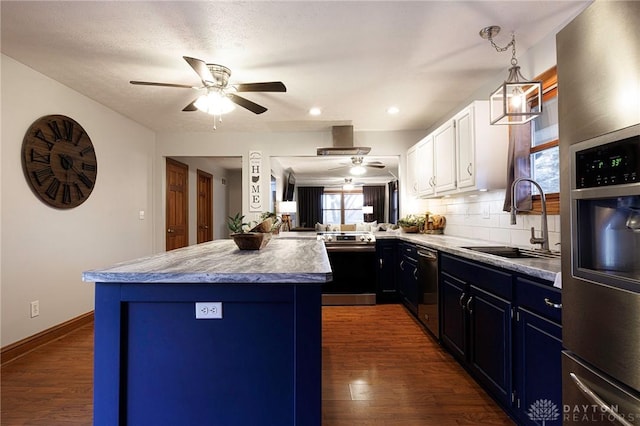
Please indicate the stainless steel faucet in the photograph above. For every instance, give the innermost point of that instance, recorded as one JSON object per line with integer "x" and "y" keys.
{"x": 544, "y": 240}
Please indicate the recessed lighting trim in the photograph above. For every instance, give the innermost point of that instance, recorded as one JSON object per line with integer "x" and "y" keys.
{"x": 393, "y": 110}
{"x": 315, "y": 111}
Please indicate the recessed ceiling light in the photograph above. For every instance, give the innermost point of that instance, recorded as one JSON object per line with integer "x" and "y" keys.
{"x": 315, "y": 111}
{"x": 393, "y": 110}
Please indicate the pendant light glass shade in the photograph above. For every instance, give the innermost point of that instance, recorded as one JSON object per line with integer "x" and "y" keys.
{"x": 511, "y": 102}
{"x": 517, "y": 100}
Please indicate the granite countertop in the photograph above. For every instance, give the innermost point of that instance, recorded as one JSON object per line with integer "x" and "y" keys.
{"x": 281, "y": 261}
{"x": 546, "y": 269}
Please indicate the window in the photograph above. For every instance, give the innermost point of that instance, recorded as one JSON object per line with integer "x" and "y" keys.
{"x": 544, "y": 150}
{"x": 342, "y": 207}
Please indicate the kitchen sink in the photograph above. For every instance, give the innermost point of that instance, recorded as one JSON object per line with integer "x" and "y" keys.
{"x": 514, "y": 252}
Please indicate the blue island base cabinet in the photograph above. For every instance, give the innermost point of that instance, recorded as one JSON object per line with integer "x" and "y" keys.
{"x": 156, "y": 364}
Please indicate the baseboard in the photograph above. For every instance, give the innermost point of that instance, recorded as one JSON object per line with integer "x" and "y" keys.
{"x": 21, "y": 347}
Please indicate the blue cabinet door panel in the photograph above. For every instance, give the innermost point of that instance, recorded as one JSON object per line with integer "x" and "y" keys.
{"x": 490, "y": 355}
{"x": 187, "y": 371}
{"x": 538, "y": 365}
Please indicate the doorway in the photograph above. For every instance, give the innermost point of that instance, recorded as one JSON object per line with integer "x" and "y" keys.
{"x": 205, "y": 207}
{"x": 177, "y": 205}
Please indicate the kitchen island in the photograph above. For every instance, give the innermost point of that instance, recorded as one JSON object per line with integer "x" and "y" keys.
{"x": 209, "y": 334}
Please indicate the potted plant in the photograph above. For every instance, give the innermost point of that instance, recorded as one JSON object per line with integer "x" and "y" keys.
{"x": 411, "y": 223}
{"x": 247, "y": 240}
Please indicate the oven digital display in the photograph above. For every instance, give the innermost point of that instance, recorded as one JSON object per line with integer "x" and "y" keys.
{"x": 345, "y": 237}
{"x": 611, "y": 164}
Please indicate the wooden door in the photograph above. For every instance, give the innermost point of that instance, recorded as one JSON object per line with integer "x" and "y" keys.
{"x": 205, "y": 207}
{"x": 177, "y": 205}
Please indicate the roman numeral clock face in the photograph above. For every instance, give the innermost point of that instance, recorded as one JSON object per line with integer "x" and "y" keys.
{"x": 59, "y": 161}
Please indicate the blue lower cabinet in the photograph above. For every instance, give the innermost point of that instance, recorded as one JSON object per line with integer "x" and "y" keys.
{"x": 386, "y": 275}
{"x": 156, "y": 364}
{"x": 453, "y": 316}
{"x": 538, "y": 369}
{"x": 505, "y": 329}
{"x": 490, "y": 342}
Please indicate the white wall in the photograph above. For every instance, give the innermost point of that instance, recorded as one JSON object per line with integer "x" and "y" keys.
{"x": 45, "y": 250}
{"x": 277, "y": 144}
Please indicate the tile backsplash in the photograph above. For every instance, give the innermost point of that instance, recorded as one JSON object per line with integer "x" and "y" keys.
{"x": 480, "y": 216}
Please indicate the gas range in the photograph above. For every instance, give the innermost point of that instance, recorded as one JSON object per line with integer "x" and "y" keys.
{"x": 346, "y": 238}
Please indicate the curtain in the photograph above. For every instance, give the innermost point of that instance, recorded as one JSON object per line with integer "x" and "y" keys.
{"x": 374, "y": 196}
{"x": 310, "y": 205}
{"x": 519, "y": 165}
{"x": 394, "y": 206}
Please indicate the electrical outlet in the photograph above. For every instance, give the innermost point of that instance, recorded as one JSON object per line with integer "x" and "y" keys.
{"x": 485, "y": 212}
{"x": 35, "y": 308}
{"x": 208, "y": 310}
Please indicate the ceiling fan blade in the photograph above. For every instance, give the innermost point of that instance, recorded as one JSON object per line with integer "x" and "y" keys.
{"x": 201, "y": 68}
{"x": 246, "y": 103}
{"x": 375, "y": 166}
{"x": 271, "y": 86}
{"x": 149, "y": 83}
{"x": 190, "y": 107}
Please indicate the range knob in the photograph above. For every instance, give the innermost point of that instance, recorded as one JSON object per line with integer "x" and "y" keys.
{"x": 362, "y": 237}
{"x": 328, "y": 238}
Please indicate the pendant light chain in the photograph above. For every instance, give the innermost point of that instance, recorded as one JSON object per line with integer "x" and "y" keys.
{"x": 512, "y": 44}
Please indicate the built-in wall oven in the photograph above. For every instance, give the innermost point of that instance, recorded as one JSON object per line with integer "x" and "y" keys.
{"x": 599, "y": 125}
{"x": 352, "y": 256}
{"x": 601, "y": 304}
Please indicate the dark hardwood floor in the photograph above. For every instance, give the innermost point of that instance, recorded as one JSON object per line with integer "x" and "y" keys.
{"x": 379, "y": 368}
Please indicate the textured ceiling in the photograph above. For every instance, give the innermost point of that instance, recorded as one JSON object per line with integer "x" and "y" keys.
{"x": 352, "y": 59}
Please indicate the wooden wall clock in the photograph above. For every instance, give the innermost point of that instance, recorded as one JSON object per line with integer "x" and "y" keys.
{"x": 59, "y": 161}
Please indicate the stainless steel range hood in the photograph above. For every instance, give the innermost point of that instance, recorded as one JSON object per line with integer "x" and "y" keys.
{"x": 343, "y": 143}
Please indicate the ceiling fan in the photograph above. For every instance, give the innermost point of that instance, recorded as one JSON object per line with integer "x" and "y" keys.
{"x": 219, "y": 93}
{"x": 358, "y": 165}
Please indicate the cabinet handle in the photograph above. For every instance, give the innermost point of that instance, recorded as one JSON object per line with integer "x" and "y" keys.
{"x": 551, "y": 304}
{"x": 469, "y": 169}
{"x": 592, "y": 396}
{"x": 402, "y": 265}
{"x": 380, "y": 260}
{"x": 461, "y": 301}
{"x": 415, "y": 273}
{"x": 469, "y": 305}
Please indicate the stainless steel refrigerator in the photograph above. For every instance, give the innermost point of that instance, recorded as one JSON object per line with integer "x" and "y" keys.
{"x": 598, "y": 57}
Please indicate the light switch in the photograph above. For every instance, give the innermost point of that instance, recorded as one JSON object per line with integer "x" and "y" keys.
{"x": 208, "y": 310}
{"x": 141, "y": 214}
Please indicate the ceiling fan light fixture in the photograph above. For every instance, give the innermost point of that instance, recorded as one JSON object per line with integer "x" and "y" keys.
{"x": 214, "y": 103}
{"x": 357, "y": 170}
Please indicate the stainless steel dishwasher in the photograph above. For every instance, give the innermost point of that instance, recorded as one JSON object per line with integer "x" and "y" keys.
{"x": 428, "y": 289}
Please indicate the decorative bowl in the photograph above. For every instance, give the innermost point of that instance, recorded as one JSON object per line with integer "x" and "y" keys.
{"x": 251, "y": 240}
{"x": 264, "y": 226}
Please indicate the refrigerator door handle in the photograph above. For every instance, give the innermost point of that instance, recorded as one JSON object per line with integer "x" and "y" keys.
{"x": 593, "y": 397}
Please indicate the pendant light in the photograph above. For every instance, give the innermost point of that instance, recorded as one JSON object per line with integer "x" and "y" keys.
{"x": 511, "y": 102}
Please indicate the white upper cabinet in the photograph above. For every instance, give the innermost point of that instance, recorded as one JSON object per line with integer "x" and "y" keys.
{"x": 444, "y": 149}
{"x": 425, "y": 166}
{"x": 465, "y": 154}
{"x": 420, "y": 168}
{"x": 482, "y": 150}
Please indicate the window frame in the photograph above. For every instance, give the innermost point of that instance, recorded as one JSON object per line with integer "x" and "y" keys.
{"x": 549, "y": 80}
{"x": 342, "y": 193}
